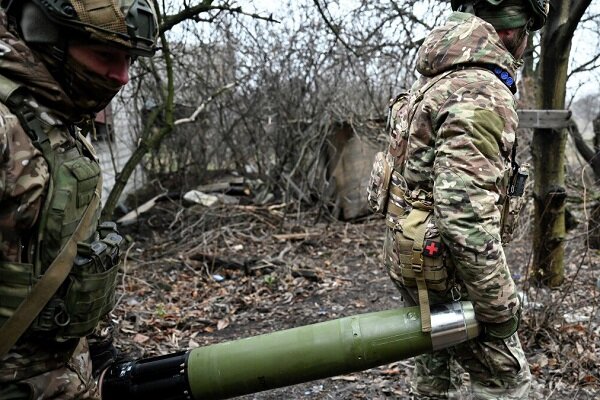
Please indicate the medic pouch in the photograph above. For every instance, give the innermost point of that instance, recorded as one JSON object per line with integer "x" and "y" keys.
{"x": 422, "y": 260}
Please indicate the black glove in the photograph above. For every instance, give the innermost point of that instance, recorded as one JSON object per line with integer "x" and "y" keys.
{"x": 102, "y": 350}
{"x": 496, "y": 331}
{"x": 103, "y": 354}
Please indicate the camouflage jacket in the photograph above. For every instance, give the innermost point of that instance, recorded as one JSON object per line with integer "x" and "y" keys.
{"x": 459, "y": 149}
{"x": 24, "y": 178}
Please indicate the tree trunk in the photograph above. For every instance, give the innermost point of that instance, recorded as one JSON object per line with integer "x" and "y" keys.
{"x": 548, "y": 145}
{"x": 548, "y": 148}
{"x": 590, "y": 155}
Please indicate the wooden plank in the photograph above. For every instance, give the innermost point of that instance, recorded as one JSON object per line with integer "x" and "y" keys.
{"x": 555, "y": 119}
{"x": 132, "y": 216}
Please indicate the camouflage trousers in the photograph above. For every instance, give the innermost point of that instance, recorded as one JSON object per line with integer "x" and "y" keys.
{"x": 73, "y": 381}
{"x": 473, "y": 370}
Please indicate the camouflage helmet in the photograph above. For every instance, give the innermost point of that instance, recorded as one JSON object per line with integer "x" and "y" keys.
{"x": 538, "y": 9}
{"x": 131, "y": 25}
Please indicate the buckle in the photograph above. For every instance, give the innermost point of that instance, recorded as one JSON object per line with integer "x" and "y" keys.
{"x": 417, "y": 261}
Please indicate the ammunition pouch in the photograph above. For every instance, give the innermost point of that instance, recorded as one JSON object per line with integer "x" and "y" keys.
{"x": 87, "y": 294}
{"x": 91, "y": 285}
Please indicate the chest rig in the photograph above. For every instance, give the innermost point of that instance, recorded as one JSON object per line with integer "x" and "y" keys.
{"x": 414, "y": 254}
{"x": 68, "y": 283}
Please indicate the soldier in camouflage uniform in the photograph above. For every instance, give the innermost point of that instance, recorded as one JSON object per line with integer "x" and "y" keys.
{"x": 61, "y": 61}
{"x": 445, "y": 184}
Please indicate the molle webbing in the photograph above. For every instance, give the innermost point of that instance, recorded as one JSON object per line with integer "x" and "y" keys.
{"x": 34, "y": 288}
{"x": 415, "y": 228}
{"x": 396, "y": 206}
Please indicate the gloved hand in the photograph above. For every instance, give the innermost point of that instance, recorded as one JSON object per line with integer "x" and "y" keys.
{"x": 502, "y": 330}
{"x": 103, "y": 354}
{"x": 102, "y": 350}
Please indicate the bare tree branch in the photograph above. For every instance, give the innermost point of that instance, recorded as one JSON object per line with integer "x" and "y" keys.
{"x": 201, "y": 107}
{"x": 193, "y": 13}
{"x": 333, "y": 29}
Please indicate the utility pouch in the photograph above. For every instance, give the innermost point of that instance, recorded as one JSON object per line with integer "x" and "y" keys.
{"x": 91, "y": 286}
{"x": 379, "y": 183}
{"x": 385, "y": 162}
{"x": 432, "y": 261}
{"x": 514, "y": 202}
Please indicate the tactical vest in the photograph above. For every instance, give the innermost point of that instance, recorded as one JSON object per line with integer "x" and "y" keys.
{"x": 87, "y": 294}
{"x": 419, "y": 258}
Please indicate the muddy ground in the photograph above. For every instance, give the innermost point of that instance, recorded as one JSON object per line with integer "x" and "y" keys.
{"x": 195, "y": 276}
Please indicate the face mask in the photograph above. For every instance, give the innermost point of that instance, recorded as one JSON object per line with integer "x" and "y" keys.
{"x": 89, "y": 91}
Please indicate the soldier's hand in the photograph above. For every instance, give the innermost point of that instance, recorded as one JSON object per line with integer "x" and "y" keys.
{"x": 103, "y": 355}
{"x": 502, "y": 330}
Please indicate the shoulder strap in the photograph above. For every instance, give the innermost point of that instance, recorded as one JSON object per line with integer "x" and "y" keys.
{"x": 417, "y": 99}
{"x": 421, "y": 92}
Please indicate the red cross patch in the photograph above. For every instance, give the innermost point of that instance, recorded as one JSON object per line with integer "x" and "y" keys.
{"x": 432, "y": 248}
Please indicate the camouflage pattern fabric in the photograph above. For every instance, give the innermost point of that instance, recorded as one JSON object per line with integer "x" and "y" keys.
{"x": 459, "y": 149}
{"x": 467, "y": 372}
{"x": 19, "y": 63}
{"x": 35, "y": 367}
{"x": 73, "y": 380}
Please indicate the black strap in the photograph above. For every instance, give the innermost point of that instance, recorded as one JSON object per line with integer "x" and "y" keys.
{"x": 28, "y": 118}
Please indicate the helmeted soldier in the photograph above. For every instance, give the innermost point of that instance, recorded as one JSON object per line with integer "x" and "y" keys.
{"x": 61, "y": 61}
{"x": 445, "y": 186}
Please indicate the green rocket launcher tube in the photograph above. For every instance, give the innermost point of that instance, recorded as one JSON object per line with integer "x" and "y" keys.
{"x": 292, "y": 356}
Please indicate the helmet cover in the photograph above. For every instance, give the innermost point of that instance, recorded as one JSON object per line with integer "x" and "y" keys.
{"x": 505, "y": 14}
